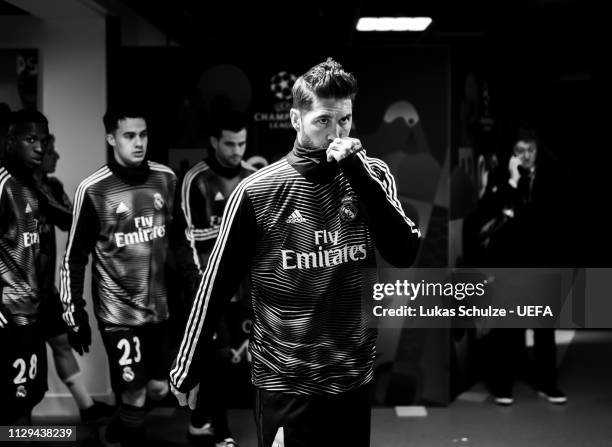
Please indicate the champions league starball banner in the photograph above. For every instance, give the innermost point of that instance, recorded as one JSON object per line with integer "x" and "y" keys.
{"x": 273, "y": 130}
{"x": 263, "y": 92}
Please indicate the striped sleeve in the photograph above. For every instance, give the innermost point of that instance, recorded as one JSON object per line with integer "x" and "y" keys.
{"x": 81, "y": 241}
{"x": 5, "y": 257}
{"x": 193, "y": 197}
{"x": 397, "y": 238}
{"x": 4, "y": 176}
{"x": 228, "y": 263}
{"x": 161, "y": 168}
{"x": 187, "y": 263}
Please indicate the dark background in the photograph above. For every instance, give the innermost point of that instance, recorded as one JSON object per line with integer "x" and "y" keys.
{"x": 538, "y": 60}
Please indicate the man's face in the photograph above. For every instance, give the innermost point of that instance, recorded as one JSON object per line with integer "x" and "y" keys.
{"x": 129, "y": 141}
{"x": 230, "y": 147}
{"x": 28, "y": 143}
{"x": 527, "y": 152}
{"x": 326, "y": 120}
{"x": 49, "y": 161}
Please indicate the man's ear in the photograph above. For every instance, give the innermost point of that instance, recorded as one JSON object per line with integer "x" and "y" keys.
{"x": 110, "y": 139}
{"x": 294, "y": 114}
{"x": 10, "y": 143}
{"x": 214, "y": 142}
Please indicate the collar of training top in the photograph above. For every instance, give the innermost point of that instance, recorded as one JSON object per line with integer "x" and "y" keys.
{"x": 132, "y": 175}
{"x": 312, "y": 163}
{"x": 18, "y": 170}
{"x": 221, "y": 170}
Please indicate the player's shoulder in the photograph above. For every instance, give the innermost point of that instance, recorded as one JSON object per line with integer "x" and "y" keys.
{"x": 158, "y": 167}
{"x": 5, "y": 176}
{"x": 247, "y": 168}
{"x": 273, "y": 173}
{"x": 95, "y": 178}
{"x": 197, "y": 171}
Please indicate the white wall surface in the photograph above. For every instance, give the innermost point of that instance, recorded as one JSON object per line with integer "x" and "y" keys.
{"x": 72, "y": 94}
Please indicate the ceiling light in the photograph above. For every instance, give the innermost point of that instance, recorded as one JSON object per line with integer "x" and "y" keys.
{"x": 393, "y": 23}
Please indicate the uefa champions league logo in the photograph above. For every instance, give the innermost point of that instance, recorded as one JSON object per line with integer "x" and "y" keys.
{"x": 276, "y": 115}
{"x": 281, "y": 84}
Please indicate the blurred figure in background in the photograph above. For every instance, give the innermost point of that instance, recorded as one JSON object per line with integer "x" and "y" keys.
{"x": 204, "y": 193}
{"x": 518, "y": 225}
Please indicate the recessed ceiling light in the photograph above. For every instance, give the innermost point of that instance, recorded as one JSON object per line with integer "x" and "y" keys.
{"x": 393, "y": 23}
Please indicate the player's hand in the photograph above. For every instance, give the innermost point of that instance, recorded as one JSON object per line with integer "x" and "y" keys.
{"x": 79, "y": 336}
{"x": 190, "y": 398}
{"x": 342, "y": 148}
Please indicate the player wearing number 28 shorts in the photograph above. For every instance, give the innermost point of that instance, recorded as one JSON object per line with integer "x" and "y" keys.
{"x": 23, "y": 363}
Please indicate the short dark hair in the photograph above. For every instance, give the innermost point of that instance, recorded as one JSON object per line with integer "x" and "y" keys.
{"x": 325, "y": 80}
{"x": 228, "y": 120}
{"x": 24, "y": 116}
{"x": 526, "y": 134}
{"x": 113, "y": 116}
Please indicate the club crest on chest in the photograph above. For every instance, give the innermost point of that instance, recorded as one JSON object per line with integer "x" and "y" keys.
{"x": 348, "y": 208}
{"x": 158, "y": 201}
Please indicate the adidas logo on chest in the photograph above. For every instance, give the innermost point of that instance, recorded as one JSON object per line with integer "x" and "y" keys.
{"x": 122, "y": 208}
{"x": 295, "y": 217}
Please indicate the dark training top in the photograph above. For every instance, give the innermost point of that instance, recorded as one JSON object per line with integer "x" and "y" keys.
{"x": 19, "y": 245}
{"x": 304, "y": 230}
{"x": 126, "y": 218}
{"x": 61, "y": 218}
{"x": 204, "y": 193}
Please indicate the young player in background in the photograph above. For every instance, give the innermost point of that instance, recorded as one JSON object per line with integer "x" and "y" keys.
{"x": 125, "y": 216}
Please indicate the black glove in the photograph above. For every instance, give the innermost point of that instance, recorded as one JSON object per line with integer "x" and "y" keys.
{"x": 79, "y": 336}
